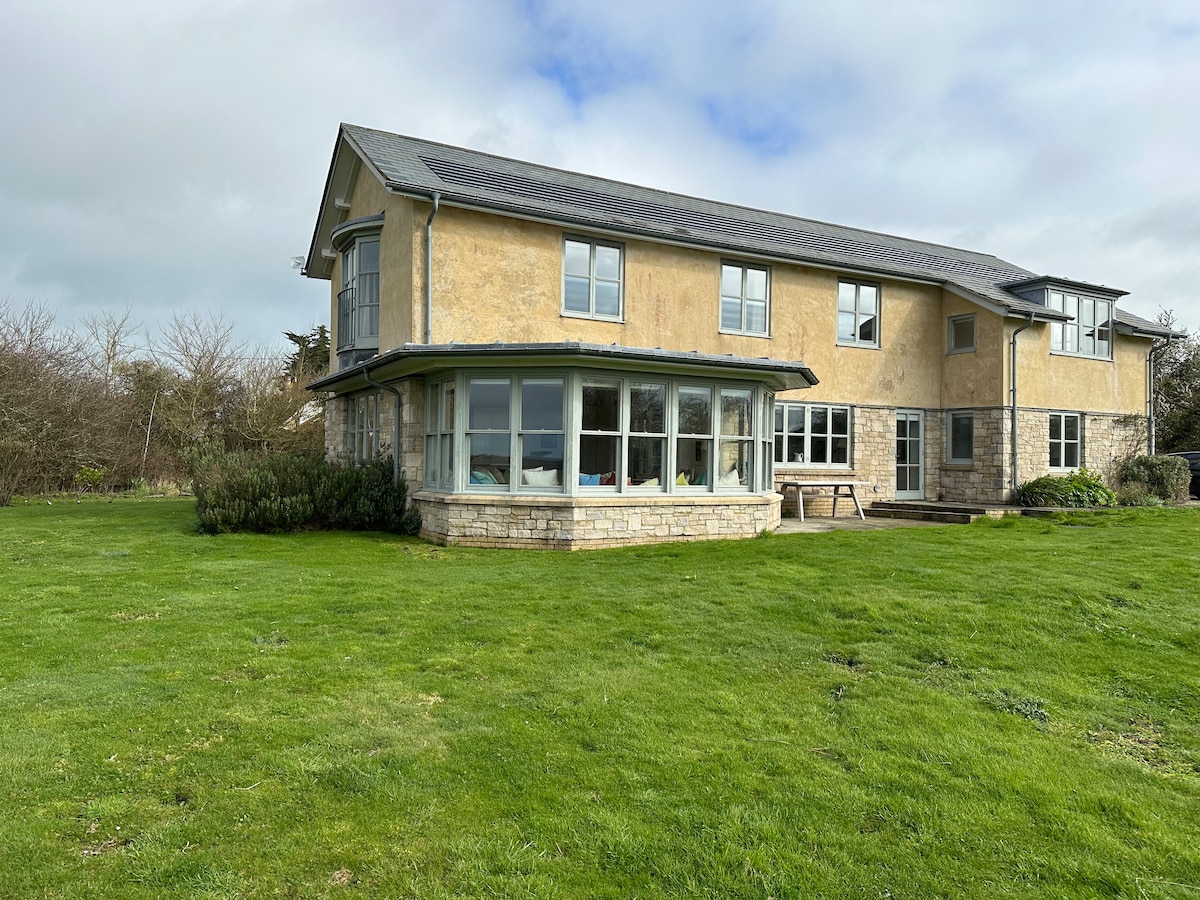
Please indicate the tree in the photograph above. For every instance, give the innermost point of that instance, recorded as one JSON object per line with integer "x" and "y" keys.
{"x": 1177, "y": 391}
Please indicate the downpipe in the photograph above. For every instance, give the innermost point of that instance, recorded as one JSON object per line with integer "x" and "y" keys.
{"x": 435, "y": 197}
{"x": 395, "y": 392}
{"x": 1013, "y": 366}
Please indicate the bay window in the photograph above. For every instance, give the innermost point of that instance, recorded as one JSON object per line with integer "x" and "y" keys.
{"x": 1089, "y": 333}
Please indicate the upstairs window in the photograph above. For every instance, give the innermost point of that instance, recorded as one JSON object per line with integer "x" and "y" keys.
{"x": 358, "y": 300}
{"x": 858, "y": 314}
{"x": 1089, "y": 333}
{"x": 592, "y": 279}
{"x": 744, "y": 299}
{"x": 960, "y": 334}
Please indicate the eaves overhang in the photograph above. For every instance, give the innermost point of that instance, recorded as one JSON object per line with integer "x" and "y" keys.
{"x": 1051, "y": 282}
{"x": 425, "y": 359}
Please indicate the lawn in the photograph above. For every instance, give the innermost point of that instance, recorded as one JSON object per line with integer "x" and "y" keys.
{"x": 995, "y": 710}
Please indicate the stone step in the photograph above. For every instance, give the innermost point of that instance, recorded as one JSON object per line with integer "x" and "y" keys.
{"x": 924, "y": 515}
{"x": 928, "y": 506}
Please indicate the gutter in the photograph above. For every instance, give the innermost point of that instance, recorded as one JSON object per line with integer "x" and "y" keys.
{"x": 394, "y": 391}
{"x": 1014, "y": 401}
{"x": 435, "y": 197}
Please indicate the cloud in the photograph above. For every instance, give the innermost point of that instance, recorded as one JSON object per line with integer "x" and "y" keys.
{"x": 173, "y": 155}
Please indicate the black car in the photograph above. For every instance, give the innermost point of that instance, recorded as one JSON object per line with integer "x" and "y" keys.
{"x": 1193, "y": 458}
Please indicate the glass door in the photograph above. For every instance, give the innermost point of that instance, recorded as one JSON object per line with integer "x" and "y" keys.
{"x": 910, "y": 480}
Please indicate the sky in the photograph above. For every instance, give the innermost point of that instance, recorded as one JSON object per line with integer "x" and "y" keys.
{"x": 165, "y": 157}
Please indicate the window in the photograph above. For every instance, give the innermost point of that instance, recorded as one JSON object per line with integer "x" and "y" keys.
{"x": 858, "y": 314}
{"x": 439, "y": 434}
{"x": 592, "y": 277}
{"x": 362, "y": 427}
{"x": 744, "y": 299}
{"x": 812, "y": 435}
{"x": 960, "y": 433}
{"x": 960, "y": 334}
{"x": 588, "y": 432}
{"x": 358, "y": 301}
{"x": 1089, "y": 333}
{"x": 1064, "y": 440}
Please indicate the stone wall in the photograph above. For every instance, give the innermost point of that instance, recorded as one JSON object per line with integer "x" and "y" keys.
{"x": 574, "y": 523}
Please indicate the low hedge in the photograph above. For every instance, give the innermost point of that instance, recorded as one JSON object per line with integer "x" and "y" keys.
{"x": 1164, "y": 477}
{"x": 1082, "y": 490}
{"x": 294, "y": 491}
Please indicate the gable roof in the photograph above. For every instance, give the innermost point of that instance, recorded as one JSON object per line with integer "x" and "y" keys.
{"x": 470, "y": 178}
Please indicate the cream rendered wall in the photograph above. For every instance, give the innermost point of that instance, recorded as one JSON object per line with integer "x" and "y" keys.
{"x": 1053, "y": 381}
{"x": 973, "y": 379}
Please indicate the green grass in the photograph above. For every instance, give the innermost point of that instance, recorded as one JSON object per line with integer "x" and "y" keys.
{"x": 999, "y": 710}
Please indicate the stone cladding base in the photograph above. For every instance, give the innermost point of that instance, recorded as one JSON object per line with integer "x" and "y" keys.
{"x": 577, "y": 523}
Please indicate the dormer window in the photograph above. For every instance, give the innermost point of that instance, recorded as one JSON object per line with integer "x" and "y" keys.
{"x": 1089, "y": 333}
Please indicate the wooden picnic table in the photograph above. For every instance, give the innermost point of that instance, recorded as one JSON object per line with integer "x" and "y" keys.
{"x": 837, "y": 485}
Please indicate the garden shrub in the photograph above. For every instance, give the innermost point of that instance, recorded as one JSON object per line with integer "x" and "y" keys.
{"x": 1134, "y": 493}
{"x": 1080, "y": 489}
{"x": 1164, "y": 477}
{"x": 288, "y": 492}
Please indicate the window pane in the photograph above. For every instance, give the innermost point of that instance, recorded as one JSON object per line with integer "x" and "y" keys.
{"x": 779, "y": 416}
{"x": 731, "y": 281}
{"x": 431, "y": 459}
{"x": 608, "y": 263}
{"x": 731, "y": 314}
{"x": 734, "y": 464}
{"x": 575, "y": 294}
{"x": 447, "y": 423}
{"x": 841, "y": 450}
{"x": 847, "y": 297}
{"x": 448, "y": 459}
{"x": 867, "y": 298}
{"x": 756, "y": 284}
{"x": 1056, "y": 336}
{"x": 779, "y": 451}
{"x": 962, "y": 333}
{"x": 818, "y": 450}
{"x": 598, "y": 458}
{"x": 796, "y": 420}
{"x": 962, "y": 437}
{"x": 488, "y": 406}
{"x": 820, "y": 419}
{"x": 1071, "y": 427}
{"x": 1055, "y": 455}
{"x": 645, "y": 460}
{"x": 845, "y": 326}
{"x": 608, "y": 298}
{"x": 841, "y": 421}
{"x": 601, "y": 406}
{"x": 542, "y": 460}
{"x": 866, "y": 331}
{"x": 1056, "y": 301}
{"x": 1055, "y": 428}
{"x": 1071, "y": 456}
{"x": 693, "y": 461}
{"x": 735, "y": 412}
{"x": 695, "y": 410}
{"x": 795, "y": 449}
{"x": 368, "y": 256}
{"x": 489, "y": 458}
{"x": 542, "y": 404}
{"x": 577, "y": 258}
{"x": 756, "y": 316}
{"x": 647, "y": 408}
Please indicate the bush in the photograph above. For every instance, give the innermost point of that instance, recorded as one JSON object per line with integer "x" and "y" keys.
{"x": 1164, "y": 477}
{"x": 1078, "y": 490}
{"x": 1135, "y": 494}
{"x": 289, "y": 492}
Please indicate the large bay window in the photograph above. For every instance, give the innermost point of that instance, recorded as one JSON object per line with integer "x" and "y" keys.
{"x": 563, "y": 431}
{"x": 812, "y": 435}
{"x": 1089, "y": 333}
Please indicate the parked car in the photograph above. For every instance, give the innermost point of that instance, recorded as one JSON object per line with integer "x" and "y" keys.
{"x": 1193, "y": 458}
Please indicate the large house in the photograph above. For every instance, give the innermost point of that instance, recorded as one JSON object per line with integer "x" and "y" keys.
{"x": 558, "y": 360}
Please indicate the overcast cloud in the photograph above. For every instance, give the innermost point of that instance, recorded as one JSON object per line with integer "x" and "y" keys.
{"x": 172, "y": 155}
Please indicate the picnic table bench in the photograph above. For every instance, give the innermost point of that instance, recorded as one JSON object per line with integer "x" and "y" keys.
{"x": 840, "y": 487}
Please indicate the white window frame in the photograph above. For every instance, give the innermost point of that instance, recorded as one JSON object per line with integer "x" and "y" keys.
{"x": 362, "y": 427}
{"x": 781, "y": 442}
{"x": 593, "y": 279}
{"x": 951, "y": 346}
{"x": 859, "y": 313}
{"x": 951, "y": 458}
{"x": 1062, "y": 443}
{"x": 1080, "y": 337}
{"x": 743, "y": 299}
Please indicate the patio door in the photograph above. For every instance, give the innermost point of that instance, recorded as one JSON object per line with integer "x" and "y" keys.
{"x": 910, "y": 474}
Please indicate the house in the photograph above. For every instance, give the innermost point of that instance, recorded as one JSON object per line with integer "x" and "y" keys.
{"x": 558, "y": 360}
